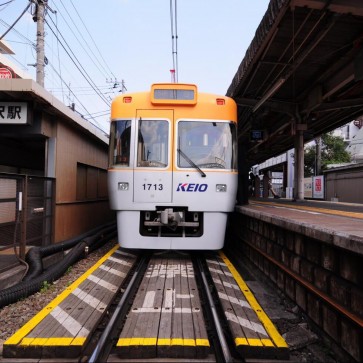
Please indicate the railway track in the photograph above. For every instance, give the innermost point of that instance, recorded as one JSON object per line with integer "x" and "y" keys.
{"x": 167, "y": 306}
{"x": 108, "y": 338}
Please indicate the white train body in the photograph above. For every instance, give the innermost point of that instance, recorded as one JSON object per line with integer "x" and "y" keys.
{"x": 172, "y": 178}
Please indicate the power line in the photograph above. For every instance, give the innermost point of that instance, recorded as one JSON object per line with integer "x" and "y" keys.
{"x": 28, "y": 41}
{"x": 19, "y": 17}
{"x": 82, "y": 88}
{"x": 59, "y": 65}
{"x": 84, "y": 73}
{"x": 8, "y": 2}
{"x": 69, "y": 89}
{"x": 92, "y": 59}
{"x": 97, "y": 125}
{"x": 99, "y": 52}
{"x": 101, "y": 115}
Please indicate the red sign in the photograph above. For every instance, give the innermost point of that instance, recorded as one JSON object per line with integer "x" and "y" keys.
{"x": 318, "y": 185}
{"x": 5, "y": 73}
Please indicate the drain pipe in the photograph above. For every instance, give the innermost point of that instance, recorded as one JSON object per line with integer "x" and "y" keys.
{"x": 35, "y": 255}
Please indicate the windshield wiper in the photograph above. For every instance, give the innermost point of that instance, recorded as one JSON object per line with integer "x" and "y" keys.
{"x": 192, "y": 163}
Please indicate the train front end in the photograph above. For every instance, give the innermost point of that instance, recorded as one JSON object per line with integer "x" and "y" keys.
{"x": 173, "y": 168}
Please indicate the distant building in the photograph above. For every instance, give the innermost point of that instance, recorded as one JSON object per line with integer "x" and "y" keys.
{"x": 355, "y": 147}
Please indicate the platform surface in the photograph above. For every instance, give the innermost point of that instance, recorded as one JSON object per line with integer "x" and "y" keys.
{"x": 340, "y": 224}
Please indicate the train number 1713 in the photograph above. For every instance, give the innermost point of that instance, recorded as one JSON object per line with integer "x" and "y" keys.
{"x": 153, "y": 186}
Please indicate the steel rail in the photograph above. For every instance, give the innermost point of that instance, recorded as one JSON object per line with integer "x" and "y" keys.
{"x": 102, "y": 349}
{"x": 222, "y": 339}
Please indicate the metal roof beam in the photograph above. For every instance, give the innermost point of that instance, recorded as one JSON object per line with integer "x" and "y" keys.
{"x": 337, "y": 6}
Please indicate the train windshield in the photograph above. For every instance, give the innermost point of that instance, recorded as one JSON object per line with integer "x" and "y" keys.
{"x": 207, "y": 144}
{"x": 152, "y": 149}
{"x": 120, "y": 136}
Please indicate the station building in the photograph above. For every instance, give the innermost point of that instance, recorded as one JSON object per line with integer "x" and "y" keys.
{"x": 53, "y": 170}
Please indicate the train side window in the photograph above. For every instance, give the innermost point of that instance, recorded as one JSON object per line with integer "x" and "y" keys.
{"x": 152, "y": 150}
{"x": 120, "y": 138}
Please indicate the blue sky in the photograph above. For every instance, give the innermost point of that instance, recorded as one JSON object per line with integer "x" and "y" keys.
{"x": 133, "y": 39}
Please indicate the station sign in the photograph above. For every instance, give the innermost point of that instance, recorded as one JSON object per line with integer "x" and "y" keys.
{"x": 318, "y": 187}
{"x": 256, "y": 135}
{"x": 13, "y": 113}
{"x": 5, "y": 73}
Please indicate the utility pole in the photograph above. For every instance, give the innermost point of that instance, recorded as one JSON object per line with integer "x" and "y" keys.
{"x": 40, "y": 10}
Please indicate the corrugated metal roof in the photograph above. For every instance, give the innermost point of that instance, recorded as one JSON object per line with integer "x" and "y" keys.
{"x": 304, "y": 65}
{"x": 274, "y": 11}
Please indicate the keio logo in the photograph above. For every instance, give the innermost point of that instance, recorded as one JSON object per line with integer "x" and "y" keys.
{"x": 191, "y": 187}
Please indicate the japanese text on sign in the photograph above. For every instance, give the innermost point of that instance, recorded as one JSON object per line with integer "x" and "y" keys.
{"x": 318, "y": 187}
{"x": 13, "y": 113}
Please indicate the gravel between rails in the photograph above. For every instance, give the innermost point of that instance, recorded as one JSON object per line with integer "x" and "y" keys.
{"x": 14, "y": 316}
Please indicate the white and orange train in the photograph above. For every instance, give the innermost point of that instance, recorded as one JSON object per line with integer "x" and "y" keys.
{"x": 172, "y": 174}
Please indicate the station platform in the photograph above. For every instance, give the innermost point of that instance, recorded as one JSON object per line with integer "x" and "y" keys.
{"x": 334, "y": 222}
{"x": 313, "y": 252}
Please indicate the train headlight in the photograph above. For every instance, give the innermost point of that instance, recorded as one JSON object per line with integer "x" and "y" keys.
{"x": 123, "y": 186}
{"x": 221, "y": 187}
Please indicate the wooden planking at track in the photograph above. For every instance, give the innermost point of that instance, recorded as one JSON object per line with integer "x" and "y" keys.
{"x": 166, "y": 319}
{"x": 253, "y": 333}
{"x": 64, "y": 326}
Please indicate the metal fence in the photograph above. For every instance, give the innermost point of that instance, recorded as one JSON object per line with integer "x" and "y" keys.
{"x": 26, "y": 215}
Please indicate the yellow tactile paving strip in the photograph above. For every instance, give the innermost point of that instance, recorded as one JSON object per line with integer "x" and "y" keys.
{"x": 64, "y": 325}
{"x": 253, "y": 332}
{"x": 312, "y": 209}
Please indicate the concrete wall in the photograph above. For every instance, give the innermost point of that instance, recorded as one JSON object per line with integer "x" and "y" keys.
{"x": 320, "y": 277}
{"x": 74, "y": 214}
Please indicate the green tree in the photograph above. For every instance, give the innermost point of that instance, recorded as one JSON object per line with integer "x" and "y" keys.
{"x": 332, "y": 152}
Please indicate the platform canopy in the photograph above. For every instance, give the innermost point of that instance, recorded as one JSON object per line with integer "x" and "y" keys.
{"x": 302, "y": 71}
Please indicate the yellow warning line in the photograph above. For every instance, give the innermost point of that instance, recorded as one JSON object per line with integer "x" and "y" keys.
{"x": 313, "y": 209}
{"x": 254, "y": 342}
{"x": 266, "y": 322}
{"x": 54, "y": 341}
{"x": 32, "y": 323}
{"x": 127, "y": 342}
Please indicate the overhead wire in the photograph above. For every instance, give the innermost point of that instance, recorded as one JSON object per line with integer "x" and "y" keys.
{"x": 7, "y": 3}
{"x": 81, "y": 88}
{"x": 86, "y": 90}
{"x": 69, "y": 89}
{"x": 79, "y": 65}
{"x": 63, "y": 43}
{"x": 59, "y": 64}
{"x": 97, "y": 125}
{"x": 19, "y": 17}
{"x": 94, "y": 43}
{"x": 87, "y": 49}
{"x": 27, "y": 40}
